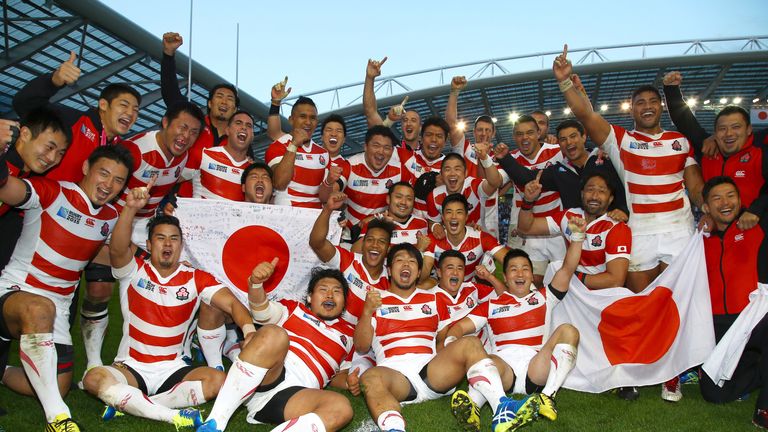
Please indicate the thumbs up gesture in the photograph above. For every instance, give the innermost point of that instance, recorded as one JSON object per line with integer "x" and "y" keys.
{"x": 67, "y": 73}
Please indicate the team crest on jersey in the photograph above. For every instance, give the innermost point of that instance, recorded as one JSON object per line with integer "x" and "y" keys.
{"x": 69, "y": 215}
{"x": 547, "y": 165}
{"x": 389, "y": 183}
{"x": 91, "y": 135}
{"x": 322, "y": 160}
{"x": 745, "y": 158}
{"x": 471, "y": 256}
{"x": 177, "y": 172}
{"x": 597, "y": 241}
{"x": 344, "y": 340}
{"x": 533, "y": 301}
{"x": 426, "y": 310}
{"x": 499, "y": 310}
{"x": 105, "y": 230}
{"x": 470, "y": 302}
{"x": 182, "y": 294}
{"x": 676, "y": 146}
{"x": 648, "y": 164}
{"x": 147, "y": 285}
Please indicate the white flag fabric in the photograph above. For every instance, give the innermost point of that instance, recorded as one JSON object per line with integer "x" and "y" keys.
{"x": 228, "y": 239}
{"x": 640, "y": 339}
{"x": 724, "y": 359}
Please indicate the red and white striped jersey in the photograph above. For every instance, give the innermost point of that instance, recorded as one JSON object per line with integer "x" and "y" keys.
{"x": 405, "y": 232}
{"x": 62, "y": 232}
{"x": 549, "y": 201}
{"x": 470, "y": 295}
{"x": 367, "y": 190}
{"x": 148, "y": 161}
{"x": 319, "y": 345}
{"x": 516, "y": 321}
{"x": 417, "y": 165}
{"x": 309, "y": 171}
{"x": 340, "y": 161}
{"x": 408, "y": 326}
{"x": 158, "y": 310}
{"x": 652, "y": 168}
{"x": 475, "y": 244}
{"x": 215, "y": 174}
{"x": 606, "y": 239}
{"x": 472, "y": 191}
{"x": 467, "y": 150}
{"x": 360, "y": 282}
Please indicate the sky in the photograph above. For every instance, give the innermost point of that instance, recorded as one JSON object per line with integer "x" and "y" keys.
{"x": 321, "y": 45}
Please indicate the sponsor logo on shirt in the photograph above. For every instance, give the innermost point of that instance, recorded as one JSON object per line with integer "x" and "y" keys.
{"x": 388, "y": 310}
{"x": 499, "y": 310}
{"x": 216, "y": 167}
{"x": 738, "y": 237}
{"x": 312, "y": 319}
{"x": 91, "y": 135}
{"x": 354, "y": 280}
{"x": 69, "y": 215}
{"x": 740, "y": 174}
{"x": 90, "y": 222}
{"x": 145, "y": 284}
{"x": 147, "y": 173}
{"x": 362, "y": 183}
{"x": 658, "y": 144}
{"x": 236, "y": 171}
{"x": 166, "y": 172}
{"x": 407, "y": 308}
{"x": 299, "y": 157}
{"x": 638, "y": 145}
{"x": 182, "y": 294}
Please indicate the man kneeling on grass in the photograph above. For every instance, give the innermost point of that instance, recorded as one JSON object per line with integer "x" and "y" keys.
{"x": 529, "y": 361}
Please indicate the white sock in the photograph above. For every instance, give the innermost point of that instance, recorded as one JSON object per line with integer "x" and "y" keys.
{"x": 476, "y": 397}
{"x": 563, "y": 361}
{"x": 242, "y": 380}
{"x": 307, "y": 422}
{"x": 182, "y": 395}
{"x": 389, "y": 420}
{"x": 211, "y": 344}
{"x": 38, "y": 357}
{"x": 231, "y": 344}
{"x": 484, "y": 377}
{"x": 132, "y": 401}
{"x": 94, "y": 318}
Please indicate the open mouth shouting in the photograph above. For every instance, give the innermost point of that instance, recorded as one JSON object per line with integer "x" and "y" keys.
{"x": 125, "y": 122}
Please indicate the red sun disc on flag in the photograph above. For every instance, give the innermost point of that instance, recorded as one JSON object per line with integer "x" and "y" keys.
{"x": 639, "y": 329}
{"x": 249, "y": 246}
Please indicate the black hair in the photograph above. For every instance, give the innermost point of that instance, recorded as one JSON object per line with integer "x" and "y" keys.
{"x": 117, "y": 153}
{"x": 162, "y": 219}
{"x": 175, "y": 110}
{"x": 322, "y": 273}
{"x": 382, "y": 224}
{"x": 231, "y": 119}
{"x": 525, "y": 118}
{"x": 41, "y": 119}
{"x": 717, "y": 181}
{"x": 391, "y": 189}
{"x": 303, "y": 100}
{"x": 451, "y": 253}
{"x": 335, "y": 118}
{"x": 114, "y": 90}
{"x": 515, "y": 253}
{"x": 645, "y": 88}
{"x": 450, "y": 156}
{"x": 229, "y": 87}
{"x": 436, "y": 121}
{"x": 486, "y": 119}
{"x": 253, "y": 166}
{"x": 456, "y": 197}
{"x": 570, "y": 123}
{"x": 733, "y": 109}
{"x": 408, "y": 247}
{"x": 603, "y": 176}
{"x": 380, "y": 130}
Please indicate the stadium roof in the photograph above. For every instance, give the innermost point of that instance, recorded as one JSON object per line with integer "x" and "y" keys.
{"x": 40, "y": 34}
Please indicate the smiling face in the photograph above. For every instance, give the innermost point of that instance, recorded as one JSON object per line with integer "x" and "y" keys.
{"x": 327, "y": 299}
{"x": 240, "y": 132}
{"x": 378, "y": 152}
{"x": 596, "y": 196}
{"x": 375, "y": 246}
{"x": 179, "y": 134}
{"x": 646, "y": 111}
{"x": 333, "y": 138}
{"x": 118, "y": 116}
{"x": 543, "y": 122}
{"x": 164, "y": 245}
{"x": 432, "y": 142}
{"x": 400, "y": 202}
{"x": 723, "y": 204}
{"x": 527, "y": 138}
{"x": 404, "y": 270}
{"x": 222, "y": 105}
{"x": 732, "y": 132}
{"x": 572, "y": 143}
{"x": 518, "y": 276}
{"x": 304, "y": 116}
{"x": 451, "y": 274}
{"x": 411, "y": 125}
{"x": 453, "y": 173}
{"x": 103, "y": 180}
{"x": 483, "y": 131}
{"x": 455, "y": 218}
{"x": 42, "y": 152}
{"x": 258, "y": 186}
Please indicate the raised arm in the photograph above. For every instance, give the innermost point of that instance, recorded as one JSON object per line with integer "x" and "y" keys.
{"x": 562, "y": 278}
{"x": 369, "y": 95}
{"x": 597, "y": 127}
{"x": 38, "y": 92}
{"x": 283, "y": 171}
{"x": 680, "y": 112}
{"x": 527, "y": 223}
{"x": 169, "y": 83}
{"x": 493, "y": 180}
{"x": 263, "y": 311}
{"x": 482, "y": 272}
{"x": 452, "y": 113}
{"x": 318, "y": 241}
{"x": 278, "y": 93}
{"x": 364, "y": 329}
{"x": 120, "y": 250}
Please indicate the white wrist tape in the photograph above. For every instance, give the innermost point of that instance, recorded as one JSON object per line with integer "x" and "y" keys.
{"x": 487, "y": 162}
{"x": 578, "y": 237}
{"x": 248, "y": 329}
{"x": 387, "y": 122}
{"x": 292, "y": 148}
{"x": 268, "y": 315}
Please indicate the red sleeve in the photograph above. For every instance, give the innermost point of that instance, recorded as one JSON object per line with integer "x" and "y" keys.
{"x": 274, "y": 151}
{"x": 480, "y": 310}
{"x": 484, "y": 292}
{"x": 488, "y": 241}
{"x": 291, "y": 305}
{"x": 619, "y": 240}
{"x": 619, "y": 132}
{"x": 432, "y": 212}
{"x": 475, "y": 186}
{"x": 204, "y": 280}
{"x": 345, "y": 257}
{"x": 195, "y": 157}
{"x": 135, "y": 153}
{"x": 442, "y": 309}
{"x": 46, "y": 189}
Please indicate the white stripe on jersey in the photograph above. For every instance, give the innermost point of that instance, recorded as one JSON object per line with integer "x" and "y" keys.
{"x": 218, "y": 176}
{"x": 309, "y": 170}
{"x": 367, "y": 190}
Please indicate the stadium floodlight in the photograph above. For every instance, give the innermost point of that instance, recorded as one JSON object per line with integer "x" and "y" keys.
{"x": 706, "y": 102}
{"x": 604, "y": 107}
{"x": 513, "y": 116}
{"x": 624, "y": 106}
{"x": 723, "y": 100}
{"x": 737, "y": 100}
{"x": 494, "y": 119}
{"x": 462, "y": 125}
{"x": 548, "y": 113}
{"x": 691, "y": 102}
{"x": 567, "y": 111}
{"x": 755, "y": 100}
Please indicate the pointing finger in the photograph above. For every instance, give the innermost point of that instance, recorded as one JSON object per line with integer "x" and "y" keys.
{"x": 275, "y": 260}
{"x": 152, "y": 181}
{"x": 405, "y": 100}
{"x": 72, "y": 57}
{"x": 383, "y": 61}
{"x": 565, "y": 50}
{"x": 538, "y": 175}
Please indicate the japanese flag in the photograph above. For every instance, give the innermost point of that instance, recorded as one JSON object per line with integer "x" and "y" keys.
{"x": 228, "y": 239}
{"x": 641, "y": 339}
{"x": 759, "y": 116}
